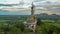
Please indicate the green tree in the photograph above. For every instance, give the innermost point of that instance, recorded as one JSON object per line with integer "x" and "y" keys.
{"x": 39, "y": 22}
{"x": 21, "y": 26}
{"x": 5, "y": 29}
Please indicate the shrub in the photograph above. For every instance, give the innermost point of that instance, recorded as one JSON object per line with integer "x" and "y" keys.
{"x": 21, "y": 26}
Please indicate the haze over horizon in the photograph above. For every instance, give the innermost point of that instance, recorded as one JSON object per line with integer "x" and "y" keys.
{"x": 22, "y": 7}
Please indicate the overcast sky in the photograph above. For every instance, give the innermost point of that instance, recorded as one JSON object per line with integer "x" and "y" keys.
{"x": 27, "y": 3}
{"x": 14, "y": 5}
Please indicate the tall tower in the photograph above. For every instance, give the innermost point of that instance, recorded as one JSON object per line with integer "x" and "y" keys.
{"x": 31, "y": 23}
{"x": 32, "y": 9}
{"x": 32, "y": 12}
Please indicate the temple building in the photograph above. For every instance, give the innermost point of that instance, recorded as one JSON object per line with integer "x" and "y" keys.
{"x": 31, "y": 22}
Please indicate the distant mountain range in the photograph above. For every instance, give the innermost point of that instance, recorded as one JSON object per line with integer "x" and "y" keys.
{"x": 26, "y": 12}
{"x": 5, "y": 12}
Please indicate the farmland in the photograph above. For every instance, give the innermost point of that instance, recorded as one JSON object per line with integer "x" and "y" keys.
{"x": 47, "y": 26}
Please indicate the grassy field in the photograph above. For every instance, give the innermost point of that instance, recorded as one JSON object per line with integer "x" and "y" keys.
{"x": 48, "y": 27}
{"x": 23, "y": 20}
{"x": 4, "y": 20}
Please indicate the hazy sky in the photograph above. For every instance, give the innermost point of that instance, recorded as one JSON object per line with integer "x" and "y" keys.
{"x": 18, "y": 5}
{"x": 17, "y": 1}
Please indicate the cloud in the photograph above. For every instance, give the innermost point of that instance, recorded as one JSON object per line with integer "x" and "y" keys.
{"x": 25, "y": 4}
{"x": 10, "y": 1}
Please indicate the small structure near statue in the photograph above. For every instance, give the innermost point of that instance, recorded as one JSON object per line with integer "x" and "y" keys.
{"x": 31, "y": 22}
